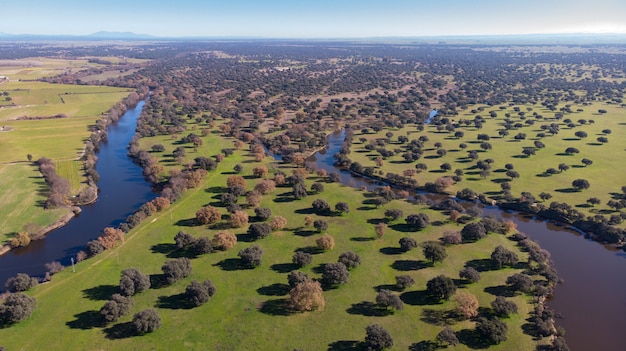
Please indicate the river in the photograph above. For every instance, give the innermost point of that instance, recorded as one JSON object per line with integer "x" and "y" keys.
{"x": 592, "y": 299}
{"x": 123, "y": 190}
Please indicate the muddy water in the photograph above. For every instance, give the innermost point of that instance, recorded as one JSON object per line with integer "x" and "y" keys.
{"x": 592, "y": 299}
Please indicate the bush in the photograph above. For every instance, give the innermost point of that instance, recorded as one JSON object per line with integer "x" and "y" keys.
{"x": 418, "y": 221}
{"x": 321, "y": 206}
{"x": 492, "y": 330}
{"x": 265, "y": 186}
{"x": 466, "y": 304}
{"x": 238, "y": 219}
{"x": 320, "y": 225}
{"x": 473, "y": 231}
{"x": 133, "y": 281}
{"x": 278, "y": 223}
{"x": 404, "y": 281}
{"x": 251, "y": 256}
{"x": 16, "y": 307}
{"x": 326, "y": 242}
{"x": 342, "y": 207}
{"x": 377, "y": 338}
{"x": 302, "y": 258}
{"x": 94, "y": 247}
{"x": 451, "y": 237}
{"x": 407, "y": 244}
{"x": 259, "y": 230}
{"x": 224, "y": 240}
{"x": 447, "y": 337}
{"x": 116, "y": 307}
{"x": 199, "y": 293}
{"x": 306, "y": 296}
{"x": 394, "y": 214}
{"x": 335, "y": 273}
{"x": 263, "y": 213}
{"x": 470, "y": 274}
{"x": 520, "y": 282}
{"x": 208, "y": 215}
{"x": 146, "y": 321}
{"x": 350, "y": 259}
{"x": 503, "y": 307}
{"x": 317, "y": 187}
{"x": 385, "y": 298}
{"x": 183, "y": 239}
{"x": 176, "y": 269}
{"x": 21, "y": 282}
{"x": 296, "y": 277}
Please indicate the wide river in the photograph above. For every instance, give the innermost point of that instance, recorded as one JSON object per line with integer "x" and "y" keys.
{"x": 592, "y": 299}
{"x": 123, "y": 190}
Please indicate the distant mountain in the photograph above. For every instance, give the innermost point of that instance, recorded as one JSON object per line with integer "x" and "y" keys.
{"x": 119, "y": 35}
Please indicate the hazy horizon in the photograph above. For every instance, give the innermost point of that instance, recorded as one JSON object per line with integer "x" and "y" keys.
{"x": 320, "y": 19}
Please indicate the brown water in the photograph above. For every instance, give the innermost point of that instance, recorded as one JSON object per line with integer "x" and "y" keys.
{"x": 592, "y": 299}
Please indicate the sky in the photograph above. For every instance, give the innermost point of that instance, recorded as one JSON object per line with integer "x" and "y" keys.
{"x": 312, "y": 19}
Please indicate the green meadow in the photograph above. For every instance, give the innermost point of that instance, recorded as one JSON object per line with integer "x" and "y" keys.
{"x": 605, "y": 174}
{"x": 247, "y": 311}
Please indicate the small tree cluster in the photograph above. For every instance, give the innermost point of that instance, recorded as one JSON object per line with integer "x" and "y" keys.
{"x": 16, "y": 307}
{"x": 199, "y": 293}
{"x": 21, "y": 282}
{"x": 116, "y": 307}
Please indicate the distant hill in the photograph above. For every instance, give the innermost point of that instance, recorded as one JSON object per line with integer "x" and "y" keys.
{"x": 119, "y": 35}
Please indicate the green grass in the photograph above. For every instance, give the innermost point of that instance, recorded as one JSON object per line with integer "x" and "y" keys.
{"x": 21, "y": 204}
{"x": 71, "y": 170}
{"x": 234, "y": 319}
{"x": 604, "y": 175}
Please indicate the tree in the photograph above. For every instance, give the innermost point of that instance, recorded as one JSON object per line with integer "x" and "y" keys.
{"x": 492, "y": 330}
{"x": 317, "y": 187}
{"x": 263, "y": 213}
{"x": 321, "y": 225}
{"x": 434, "y": 251}
{"x": 380, "y": 229}
{"x": 224, "y": 240}
{"x": 545, "y": 196}
{"x": 385, "y": 298}
{"x": 571, "y": 150}
{"x": 199, "y": 293}
{"x": 238, "y": 219}
{"x": 202, "y": 245}
{"x": 259, "y": 230}
{"x": 116, "y": 307}
{"x": 452, "y": 237}
{"x": 251, "y": 256}
{"x": 440, "y": 287}
{"x": 278, "y": 223}
{"x": 447, "y": 337}
{"x": 302, "y": 258}
{"x": 53, "y": 267}
{"x": 299, "y": 191}
{"x": 501, "y": 257}
{"x": 307, "y": 296}
{"x": 335, "y": 273}
{"x": 320, "y": 206}
{"x": 594, "y": 201}
{"x": 265, "y": 186}
{"x": 580, "y": 184}
{"x": 21, "y": 282}
{"x": 110, "y": 237}
{"x": 503, "y": 307}
{"x": 133, "y": 281}
{"x": 296, "y": 277}
{"x": 21, "y": 239}
{"x": 394, "y": 214}
{"x": 326, "y": 242}
{"x": 342, "y": 207}
{"x": 470, "y": 274}
{"x": 94, "y": 247}
{"x": 183, "y": 239}
{"x": 404, "y": 281}
{"x": 520, "y": 282}
{"x": 253, "y": 198}
{"x": 158, "y": 148}
{"x": 235, "y": 180}
{"x": 350, "y": 259}
{"x": 146, "y": 321}
{"x": 418, "y": 221}
{"x": 466, "y": 304}
{"x": 208, "y": 215}
{"x": 260, "y": 171}
{"x": 473, "y": 231}
{"x": 586, "y": 162}
{"x": 512, "y": 174}
{"x": 407, "y": 243}
{"x": 16, "y": 307}
{"x": 581, "y": 134}
{"x": 602, "y": 140}
{"x": 176, "y": 269}
{"x": 377, "y": 338}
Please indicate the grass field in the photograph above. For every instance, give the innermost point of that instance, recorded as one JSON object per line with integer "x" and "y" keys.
{"x": 606, "y": 174}
{"x": 245, "y": 313}
{"x": 61, "y": 139}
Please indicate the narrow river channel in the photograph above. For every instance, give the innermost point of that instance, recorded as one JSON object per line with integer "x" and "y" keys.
{"x": 592, "y": 299}
{"x": 123, "y": 190}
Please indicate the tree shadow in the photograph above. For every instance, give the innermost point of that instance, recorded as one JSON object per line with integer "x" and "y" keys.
{"x": 419, "y": 298}
{"x": 284, "y": 267}
{"x": 305, "y": 233}
{"x": 409, "y": 265}
{"x": 244, "y": 237}
{"x": 305, "y": 211}
{"x": 567, "y": 190}
{"x": 425, "y": 345}
{"x": 481, "y": 265}
{"x": 362, "y": 238}
{"x": 313, "y": 250}
{"x": 120, "y": 331}
{"x": 158, "y": 281}
{"x": 100, "y": 292}
{"x": 500, "y": 290}
{"x": 174, "y": 302}
{"x": 276, "y": 289}
{"x": 402, "y": 227}
{"x": 163, "y": 248}
{"x": 440, "y": 317}
{"x": 277, "y": 307}
{"x": 231, "y": 264}
{"x": 347, "y": 345}
{"x": 391, "y": 250}
{"x": 189, "y": 222}
{"x": 471, "y": 339}
{"x": 368, "y": 309}
{"x": 392, "y": 287}
{"x": 86, "y": 320}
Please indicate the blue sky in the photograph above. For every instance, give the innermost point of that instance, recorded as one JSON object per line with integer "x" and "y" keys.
{"x": 312, "y": 19}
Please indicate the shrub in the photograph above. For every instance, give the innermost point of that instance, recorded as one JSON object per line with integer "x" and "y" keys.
{"x": 202, "y": 245}
{"x": 16, "y": 307}
{"x": 418, "y": 221}
{"x": 466, "y": 304}
{"x": 251, "y": 256}
{"x": 21, "y": 282}
{"x": 238, "y": 219}
{"x": 404, "y": 281}
{"x": 394, "y": 214}
{"x": 307, "y": 296}
{"x": 224, "y": 240}
{"x": 265, "y": 186}
{"x": 176, "y": 269}
{"x": 94, "y": 247}
{"x": 146, "y": 321}
{"x": 199, "y": 293}
{"x": 183, "y": 239}
{"x": 473, "y": 231}
{"x": 377, "y": 338}
{"x": 470, "y": 274}
{"x": 208, "y": 215}
{"x": 321, "y": 206}
{"x": 116, "y": 307}
{"x": 451, "y": 237}
{"x": 302, "y": 258}
{"x": 133, "y": 281}
{"x": 278, "y": 223}
{"x": 326, "y": 242}
{"x": 447, "y": 337}
{"x": 263, "y": 213}
{"x": 335, "y": 273}
{"x": 503, "y": 307}
{"x": 350, "y": 259}
{"x": 385, "y": 298}
{"x": 342, "y": 207}
{"x": 492, "y": 330}
{"x": 259, "y": 230}
{"x": 254, "y": 198}
{"x": 407, "y": 244}
{"x": 320, "y": 224}
{"x": 296, "y": 277}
